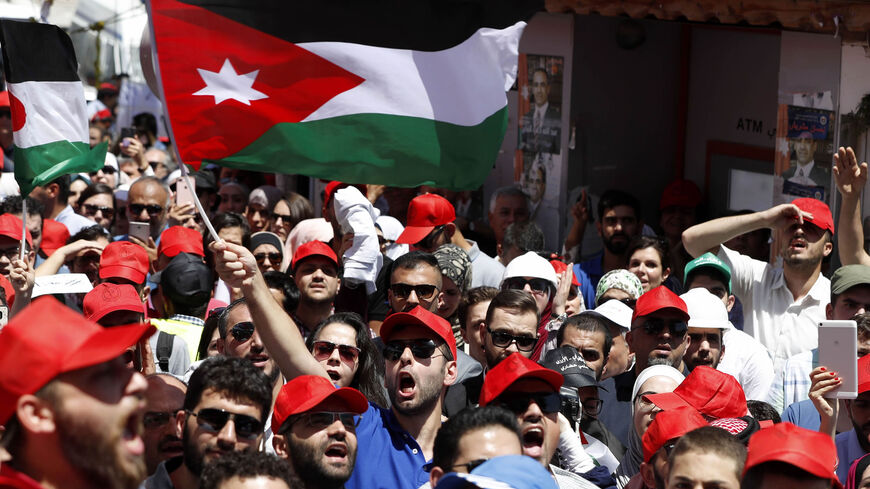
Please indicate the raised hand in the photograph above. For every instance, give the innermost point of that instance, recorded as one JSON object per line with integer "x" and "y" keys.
{"x": 848, "y": 174}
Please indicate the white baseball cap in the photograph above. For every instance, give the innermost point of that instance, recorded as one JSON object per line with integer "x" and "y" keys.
{"x": 616, "y": 312}
{"x": 706, "y": 310}
{"x": 531, "y": 265}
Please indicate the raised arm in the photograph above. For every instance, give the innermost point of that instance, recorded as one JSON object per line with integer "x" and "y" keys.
{"x": 707, "y": 236}
{"x": 851, "y": 178}
{"x": 238, "y": 268}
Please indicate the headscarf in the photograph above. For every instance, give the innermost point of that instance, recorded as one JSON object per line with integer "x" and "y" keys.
{"x": 630, "y": 464}
{"x": 620, "y": 279}
{"x": 265, "y": 195}
{"x": 316, "y": 229}
{"x": 266, "y": 237}
{"x": 856, "y": 471}
{"x": 454, "y": 264}
{"x": 392, "y": 228}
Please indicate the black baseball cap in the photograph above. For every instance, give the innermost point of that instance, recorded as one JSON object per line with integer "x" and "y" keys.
{"x": 568, "y": 362}
{"x": 186, "y": 280}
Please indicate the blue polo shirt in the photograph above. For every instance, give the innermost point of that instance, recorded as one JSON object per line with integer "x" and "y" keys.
{"x": 387, "y": 456}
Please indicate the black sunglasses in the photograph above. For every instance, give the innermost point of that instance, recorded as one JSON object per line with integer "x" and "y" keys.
{"x": 153, "y": 209}
{"x": 273, "y": 258}
{"x": 504, "y": 340}
{"x": 421, "y": 349}
{"x": 471, "y": 465}
{"x": 91, "y": 210}
{"x": 153, "y": 419}
{"x": 324, "y": 349}
{"x": 655, "y": 327}
{"x": 538, "y": 285}
{"x": 214, "y": 420}
{"x": 243, "y": 331}
{"x": 322, "y": 419}
{"x": 286, "y": 218}
{"x": 429, "y": 241}
{"x": 424, "y": 292}
{"x": 518, "y": 403}
{"x": 108, "y": 170}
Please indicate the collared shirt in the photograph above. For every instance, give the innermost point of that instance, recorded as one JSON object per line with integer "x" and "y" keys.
{"x": 11, "y": 478}
{"x": 793, "y": 383}
{"x": 484, "y": 269}
{"x": 772, "y": 316}
{"x": 73, "y": 222}
{"x": 848, "y": 450}
{"x": 749, "y": 362}
{"x": 388, "y": 457}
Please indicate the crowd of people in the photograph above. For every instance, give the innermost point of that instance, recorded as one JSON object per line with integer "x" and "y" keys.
{"x": 411, "y": 338}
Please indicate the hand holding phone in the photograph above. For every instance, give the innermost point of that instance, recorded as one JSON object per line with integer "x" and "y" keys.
{"x": 838, "y": 352}
{"x": 185, "y": 194}
{"x": 140, "y": 230}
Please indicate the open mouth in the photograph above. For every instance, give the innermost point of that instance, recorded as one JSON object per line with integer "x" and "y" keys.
{"x": 533, "y": 441}
{"x": 259, "y": 360}
{"x": 336, "y": 452}
{"x": 334, "y": 375}
{"x": 407, "y": 385}
{"x": 797, "y": 244}
{"x": 131, "y": 437}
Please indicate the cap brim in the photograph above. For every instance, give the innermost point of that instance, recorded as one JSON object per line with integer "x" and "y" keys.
{"x": 123, "y": 272}
{"x": 414, "y": 234}
{"x": 801, "y": 460}
{"x": 107, "y": 344}
{"x": 667, "y": 401}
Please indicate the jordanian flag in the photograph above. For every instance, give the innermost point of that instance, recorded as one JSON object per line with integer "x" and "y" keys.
{"x": 400, "y": 93}
{"x": 49, "y": 117}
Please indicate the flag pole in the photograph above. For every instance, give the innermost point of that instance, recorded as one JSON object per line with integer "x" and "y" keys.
{"x": 23, "y": 227}
{"x": 186, "y": 176}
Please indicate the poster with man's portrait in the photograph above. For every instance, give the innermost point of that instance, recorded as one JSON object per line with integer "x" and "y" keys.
{"x": 805, "y": 164}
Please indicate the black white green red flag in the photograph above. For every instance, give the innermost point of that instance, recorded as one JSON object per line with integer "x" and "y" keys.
{"x": 396, "y": 93}
{"x": 49, "y": 116}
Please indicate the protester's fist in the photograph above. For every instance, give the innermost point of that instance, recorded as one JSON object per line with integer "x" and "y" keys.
{"x": 234, "y": 264}
{"x": 22, "y": 277}
{"x": 849, "y": 175}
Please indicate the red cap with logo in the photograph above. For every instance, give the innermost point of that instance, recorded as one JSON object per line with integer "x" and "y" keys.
{"x": 659, "y": 299}
{"x": 560, "y": 267}
{"x": 807, "y": 450}
{"x": 54, "y": 235}
{"x": 179, "y": 239}
{"x": 668, "y": 425}
{"x": 313, "y": 248}
{"x": 680, "y": 193}
{"x": 10, "y": 226}
{"x": 708, "y": 391}
{"x": 420, "y": 317}
{"x": 107, "y": 298}
{"x": 822, "y": 216}
{"x": 424, "y": 213}
{"x": 123, "y": 259}
{"x": 513, "y": 368}
{"x": 306, "y": 392}
{"x": 47, "y": 339}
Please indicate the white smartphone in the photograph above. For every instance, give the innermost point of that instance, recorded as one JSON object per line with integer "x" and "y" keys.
{"x": 183, "y": 193}
{"x": 838, "y": 352}
{"x": 140, "y": 230}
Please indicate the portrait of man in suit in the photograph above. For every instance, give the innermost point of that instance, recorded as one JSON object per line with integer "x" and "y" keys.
{"x": 804, "y": 170}
{"x": 541, "y": 129}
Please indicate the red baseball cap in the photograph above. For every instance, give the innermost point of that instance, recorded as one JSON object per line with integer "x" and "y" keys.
{"x": 54, "y": 235}
{"x": 682, "y": 193}
{"x": 668, "y": 425}
{"x": 420, "y": 317}
{"x": 864, "y": 374}
{"x": 560, "y": 267}
{"x": 4, "y": 99}
{"x": 821, "y": 212}
{"x": 513, "y": 368}
{"x": 102, "y": 115}
{"x": 47, "y": 339}
{"x": 306, "y": 392}
{"x": 334, "y": 185}
{"x": 10, "y": 226}
{"x": 107, "y": 298}
{"x": 659, "y": 299}
{"x": 807, "y": 450}
{"x": 10, "y": 291}
{"x": 125, "y": 260}
{"x": 107, "y": 87}
{"x": 179, "y": 239}
{"x": 313, "y": 248}
{"x": 424, "y": 213}
{"x": 708, "y": 391}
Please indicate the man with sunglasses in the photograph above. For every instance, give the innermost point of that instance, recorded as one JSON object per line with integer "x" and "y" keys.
{"x": 415, "y": 281}
{"x": 315, "y": 271}
{"x": 225, "y": 408}
{"x": 511, "y": 326}
{"x": 531, "y": 392}
{"x": 315, "y": 430}
{"x": 535, "y": 275}
{"x": 148, "y": 201}
{"x": 782, "y": 306}
{"x": 659, "y": 330}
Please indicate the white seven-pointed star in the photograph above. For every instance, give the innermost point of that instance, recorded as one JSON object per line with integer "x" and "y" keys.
{"x": 227, "y": 84}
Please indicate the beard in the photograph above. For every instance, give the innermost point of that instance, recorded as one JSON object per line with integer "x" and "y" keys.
{"x": 193, "y": 455}
{"x": 428, "y": 394}
{"x": 675, "y": 362}
{"x": 617, "y": 248}
{"x": 308, "y": 464}
{"x": 94, "y": 452}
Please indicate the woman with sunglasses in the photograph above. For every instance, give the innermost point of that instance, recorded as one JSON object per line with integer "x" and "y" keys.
{"x": 288, "y": 212}
{"x": 97, "y": 203}
{"x": 267, "y": 250}
{"x": 648, "y": 259}
{"x": 656, "y": 379}
{"x": 343, "y": 345}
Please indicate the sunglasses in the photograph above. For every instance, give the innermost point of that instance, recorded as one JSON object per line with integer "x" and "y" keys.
{"x": 655, "y": 327}
{"x": 469, "y": 466}
{"x": 286, "y": 218}
{"x": 324, "y": 349}
{"x": 107, "y": 170}
{"x": 153, "y": 209}
{"x": 421, "y": 349}
{"x": 425, "y": 292}
{"x": 518, "y": 403}
{"x": 154, "y": 419}
{"x": 429, "y": 241}
{"x": 217, "y": 311}
{"x": 91, "y": 210}
{"x": 273, "y": 257}
{"x": 322, "y": 419}
{"x": 243, "y": 331}
{"x": 214, "y": 420}
{"x": 539, "y": 286}
{"x": 504, "y": 340}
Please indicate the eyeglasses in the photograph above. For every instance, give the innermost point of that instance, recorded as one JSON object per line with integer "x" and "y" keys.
{"x": 425, "y": 292}
{"x": 108, "y": 170}
{"x": 592, "y": 407}
{"x": 655, "y": 327}
{"x": 273, "y": 257}
{"x": 518, "y": 403}
{"x": 214, "y": 420}
{"x": 322, "y": 419}
{"x": 91, "y": 210}
{"x": 469, "y": 466}
{"x": 504, "y": 340}
{"x": 539, "y": 286}
{"x": 242, "y": 332}
{"x": 429, "y": 241}
{"x": 153, "y": 209}
{"x": 324, "y": 349}
{"x": 10, "y": 253}
{"x": 421, "y": 349}
{"x": 154, "y": 419}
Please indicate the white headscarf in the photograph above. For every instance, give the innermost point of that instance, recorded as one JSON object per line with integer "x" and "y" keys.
{"x": 392, "y": 228}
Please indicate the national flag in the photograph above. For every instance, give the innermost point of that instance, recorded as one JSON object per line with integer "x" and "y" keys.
{"x": 49, "y": 115}
{"x": 397, "y": 93}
